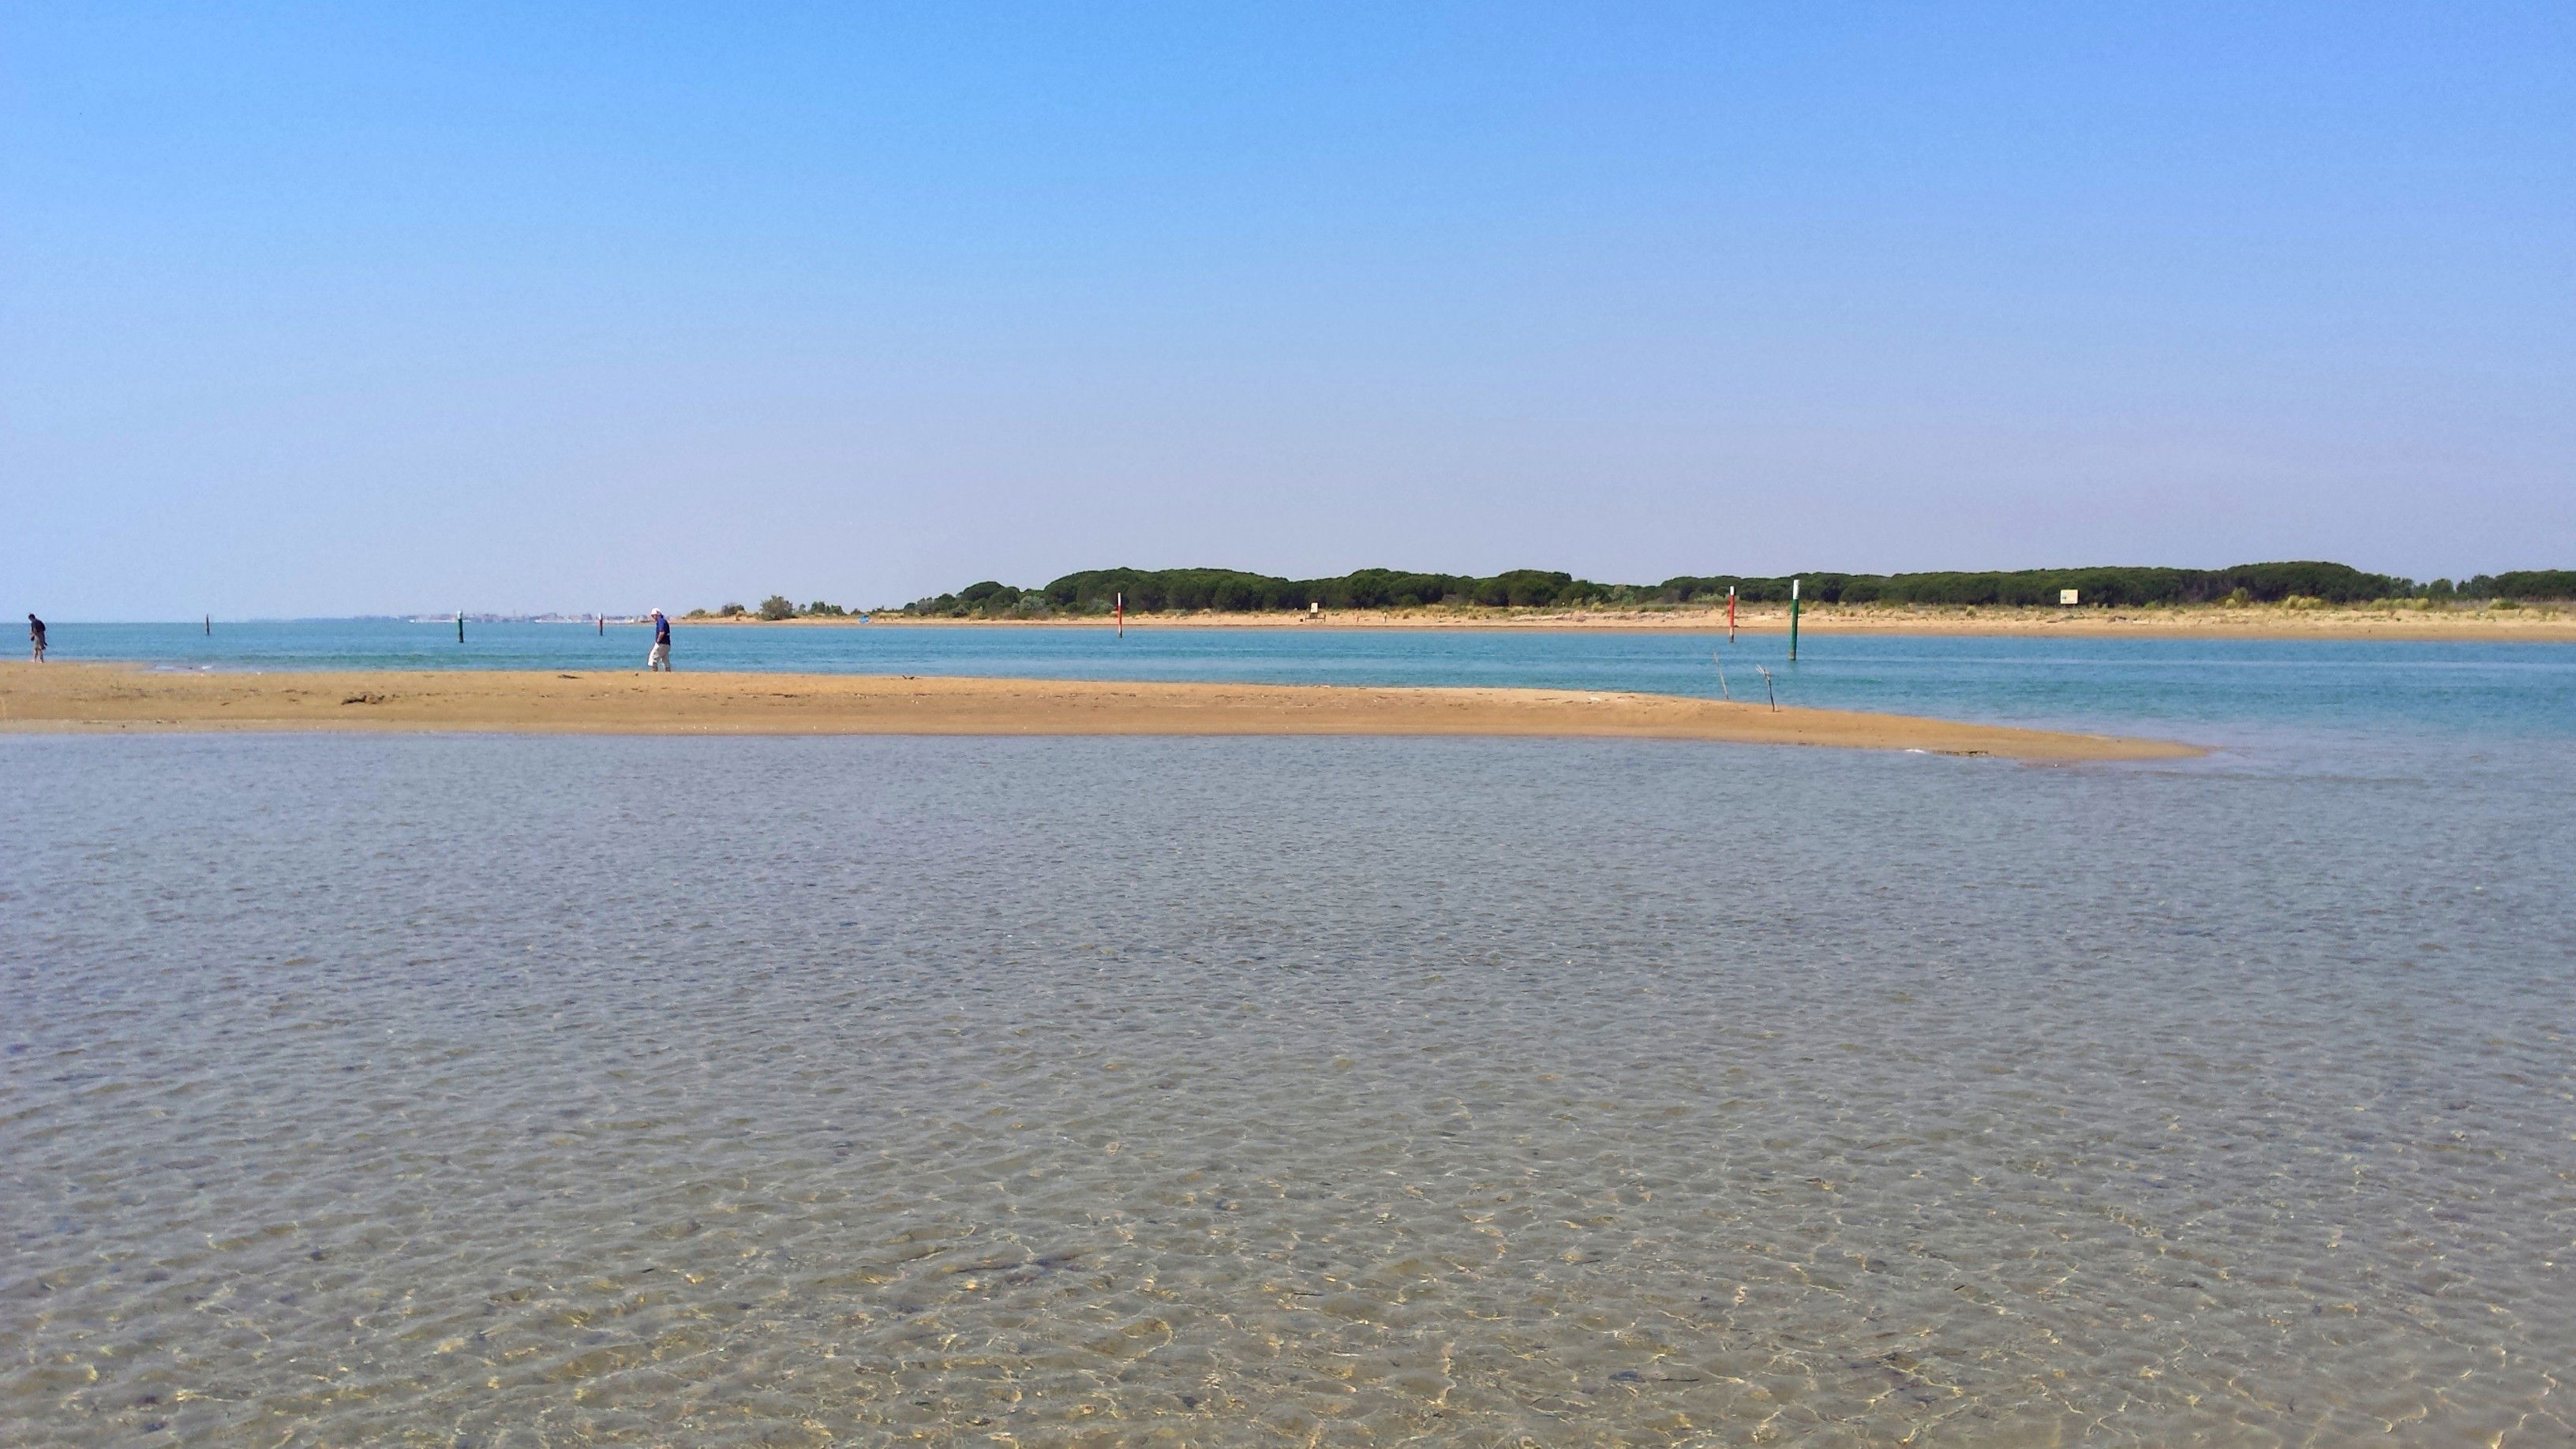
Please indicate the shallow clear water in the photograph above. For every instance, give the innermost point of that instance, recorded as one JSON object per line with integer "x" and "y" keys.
{"x": 600, "y": 1091}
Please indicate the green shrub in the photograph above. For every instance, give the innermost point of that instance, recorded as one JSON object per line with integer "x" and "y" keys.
{"x": 2534, "y": 584}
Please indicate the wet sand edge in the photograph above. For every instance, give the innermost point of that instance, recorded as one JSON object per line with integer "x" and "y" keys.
{"x": 58, "y": 697}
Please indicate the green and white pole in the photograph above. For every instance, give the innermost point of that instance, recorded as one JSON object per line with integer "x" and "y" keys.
{"x": 1793, "y": 621}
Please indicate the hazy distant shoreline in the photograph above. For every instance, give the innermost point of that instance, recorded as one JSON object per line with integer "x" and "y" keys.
{"x": 2401, "y": 620}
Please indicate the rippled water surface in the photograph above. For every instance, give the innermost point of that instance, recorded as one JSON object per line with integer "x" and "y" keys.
{"x": 565, "y": 1091}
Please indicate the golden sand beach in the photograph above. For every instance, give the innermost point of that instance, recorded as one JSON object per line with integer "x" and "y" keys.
{"x": 96, "y": 697}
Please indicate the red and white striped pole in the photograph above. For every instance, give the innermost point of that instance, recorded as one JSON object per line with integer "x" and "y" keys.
{"x": 1122, "y": 613}
{"x": 1730, "y": 613}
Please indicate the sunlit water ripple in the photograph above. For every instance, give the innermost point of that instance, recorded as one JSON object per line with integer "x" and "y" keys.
{"x": 483, "y": 1091}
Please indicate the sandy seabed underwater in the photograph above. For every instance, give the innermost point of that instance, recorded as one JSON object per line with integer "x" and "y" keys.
{"x": 517, "y": 1091}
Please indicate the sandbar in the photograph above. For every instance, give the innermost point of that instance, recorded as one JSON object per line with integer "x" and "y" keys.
{"x": 96, "y": 697}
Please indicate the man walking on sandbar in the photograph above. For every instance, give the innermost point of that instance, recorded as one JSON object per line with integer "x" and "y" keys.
{"x": 660, "y": 658}
{"x": 36, "y": 638}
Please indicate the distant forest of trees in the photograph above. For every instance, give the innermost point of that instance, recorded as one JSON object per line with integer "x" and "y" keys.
{"x": 1151, "y": 591}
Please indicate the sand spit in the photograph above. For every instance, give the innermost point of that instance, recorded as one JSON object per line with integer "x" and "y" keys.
{"x": 2543, "y": 623}
{"x": 91, "y": 697}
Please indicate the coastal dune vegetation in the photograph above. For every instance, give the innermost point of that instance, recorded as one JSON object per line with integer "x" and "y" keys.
{"x": 1154, "y": 591}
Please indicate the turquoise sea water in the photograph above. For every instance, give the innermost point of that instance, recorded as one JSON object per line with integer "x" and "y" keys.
{"x": 2223, "y": 690}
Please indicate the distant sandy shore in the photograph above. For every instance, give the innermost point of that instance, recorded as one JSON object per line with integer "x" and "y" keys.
{"x": 2542, "y": 623}
{"x": 95, "y": 697}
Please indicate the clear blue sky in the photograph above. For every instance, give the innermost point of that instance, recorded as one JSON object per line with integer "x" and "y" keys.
{"x": 342, "y": 308}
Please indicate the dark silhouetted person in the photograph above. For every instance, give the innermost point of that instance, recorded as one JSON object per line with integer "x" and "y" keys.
{"x": 36, "y": 638}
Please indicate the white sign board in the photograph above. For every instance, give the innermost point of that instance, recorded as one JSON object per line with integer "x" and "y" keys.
{"x": 2066, "y": 596}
